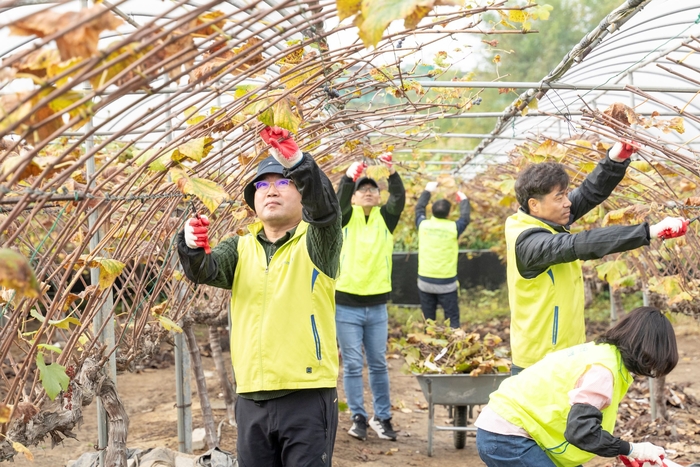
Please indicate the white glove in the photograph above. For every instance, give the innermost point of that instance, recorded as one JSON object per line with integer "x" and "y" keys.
{"x": 197, "y": 233}
{"x": 646, "y": 452}
{"x": 431, "y": 186}
{"x": 355, "y": 170}
{"x": 670, "y": 227}
{"x": 460, "y": 196}
{"x": 622, "y": 150}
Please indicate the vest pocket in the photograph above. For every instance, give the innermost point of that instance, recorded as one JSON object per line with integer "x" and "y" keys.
{"x": 555, "y": 325}
{"x": 317, "y": 339}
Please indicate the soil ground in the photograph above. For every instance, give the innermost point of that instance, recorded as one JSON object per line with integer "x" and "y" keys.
{"x": 149, "y": 397}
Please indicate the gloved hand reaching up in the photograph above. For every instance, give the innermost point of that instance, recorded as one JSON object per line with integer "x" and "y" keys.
{"x": 197, "y": 233}
{"x": 386, "y": 159}
{"x": 670, "y": 227}
{"x": 431, "y": 186}
{"x": 622, "y": 150}
{"x": 460, "y": 196}
{"x": 355, "y": 170}
{"x": 282, "y": 146}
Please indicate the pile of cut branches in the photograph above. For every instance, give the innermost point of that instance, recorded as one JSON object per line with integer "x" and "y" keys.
{"x": 441, "y": 349}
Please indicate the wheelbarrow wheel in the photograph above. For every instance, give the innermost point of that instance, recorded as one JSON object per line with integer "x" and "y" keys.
{"x": 460, "y": 437}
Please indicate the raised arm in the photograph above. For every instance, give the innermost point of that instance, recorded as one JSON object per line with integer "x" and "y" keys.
{"x": 599, "y": 184}
{"x": 391, "y": 211}
{"x": 464, "y": 213}
{"x": 422, "y": 204}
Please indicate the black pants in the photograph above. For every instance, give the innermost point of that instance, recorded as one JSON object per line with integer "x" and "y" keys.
{"x": 448, "y": 301}
{"x": 297, "y": 430}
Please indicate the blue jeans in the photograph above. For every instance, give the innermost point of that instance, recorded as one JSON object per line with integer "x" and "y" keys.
{"x": 510, "y": 451}
{"x": 368, "y": 328}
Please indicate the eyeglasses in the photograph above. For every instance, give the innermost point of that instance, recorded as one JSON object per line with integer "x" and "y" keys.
{"x": 369, "y": 189}
{"x": 281, "y": 184}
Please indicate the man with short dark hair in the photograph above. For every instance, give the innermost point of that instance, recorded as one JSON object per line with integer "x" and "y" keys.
{"x": 282, "y": 279}
{"x": 363, "y": 290}
{"x": 438, "y": 248}
{"x": 545, "y": 281}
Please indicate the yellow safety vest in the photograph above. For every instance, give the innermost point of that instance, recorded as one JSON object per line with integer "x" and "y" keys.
{"x": 282, "y": 318}
{"x": 537, "y": 400}
{"x": 547, "y": 311}
{"x": 365, "y": 260}
{"x": 437, "y": 248}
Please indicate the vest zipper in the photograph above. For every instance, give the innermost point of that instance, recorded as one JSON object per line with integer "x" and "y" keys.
{"x": 555, "y": 326}
{"x": 317, "y": 339}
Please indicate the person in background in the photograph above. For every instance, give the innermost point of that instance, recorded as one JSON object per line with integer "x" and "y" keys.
{"x": 438, "y": 250}
{"x": 282, "y": 279}
{"x": 561, "y": 411}
{"x": 363, "y": 290}
{"x": 545, "y": 281}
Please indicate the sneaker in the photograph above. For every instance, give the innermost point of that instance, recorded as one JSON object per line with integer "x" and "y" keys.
{"x": 383, "y": 428}
{"x": 359, "y": 427}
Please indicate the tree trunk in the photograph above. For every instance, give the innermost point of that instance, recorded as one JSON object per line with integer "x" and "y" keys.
{"x": 115, "y": 455}
{"x": 660, "y": 397}
{"x": 196, "y": 358}
{"x": 226, "y": 386}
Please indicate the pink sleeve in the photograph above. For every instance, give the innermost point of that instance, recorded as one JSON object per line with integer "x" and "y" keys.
{"x": 594, "y": 387}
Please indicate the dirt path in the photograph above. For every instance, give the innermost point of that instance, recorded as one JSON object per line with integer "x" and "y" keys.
{"x": 150, "y": 401}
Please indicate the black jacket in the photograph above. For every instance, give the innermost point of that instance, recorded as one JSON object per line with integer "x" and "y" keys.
{"x": 537, "y": 249}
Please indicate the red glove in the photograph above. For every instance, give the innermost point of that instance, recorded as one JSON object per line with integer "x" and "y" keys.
{"x": 197, "y": 233}
{"x": 622, "y": 150}
{"x": 670, "y": 227}
{"x": 282, "y": 146}
{"x": 386, "y": 159}
{"x": 628, "y": 462}
{"x": 355, "y": 170}
{"x": 460, "y": 196}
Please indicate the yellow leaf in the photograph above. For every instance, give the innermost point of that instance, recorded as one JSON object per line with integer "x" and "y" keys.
{"x": 676, "y": 123}
{"x": 195, "y": 149}
{"x": 517, "y": 16}
{"x": 347, "y": 8}
{"x": 160, "y": 308}
{"x": 215, "y": 26}
{"x": 22, "y": 449}
{"x": 377, "y": 15}
{"x": 669, "y": 286}
{"x": 109, "y": 270}
{"x": 285, "y": 117}
{"x": 16, "y": 273}
{"x": 5, "y": 413}
{"x": 634, "y": 214}
{"x": 211, "y": 194}
{"x": 377, "y": 172}
{"x": 168, "y": 324}
{"x": 642, "y": 166}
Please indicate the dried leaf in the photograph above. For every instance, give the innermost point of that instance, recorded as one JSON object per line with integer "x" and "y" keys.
{"x": 80, "y": 41}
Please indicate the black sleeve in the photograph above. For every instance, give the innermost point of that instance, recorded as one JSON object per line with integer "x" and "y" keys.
{"x": 320, "y": 205}
{"x": 322, "y": 211}
{"x": 345, "y": 191}
{"x": 537, "y": 249}
{"x": 584, "y": 430}
{"x": 216, "y": 269}
{"x": 421, "y": 205}
{"x": 596, "y": 187}
{"x": 465, "y": 210}
{"x": 391, "y": 211}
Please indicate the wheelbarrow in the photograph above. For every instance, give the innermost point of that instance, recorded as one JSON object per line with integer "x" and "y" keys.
{"x": 460, "y": 391}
